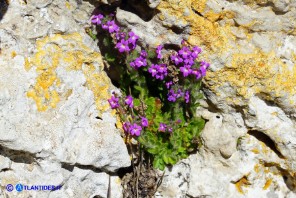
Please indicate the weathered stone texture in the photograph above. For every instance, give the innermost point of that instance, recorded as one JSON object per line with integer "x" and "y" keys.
{"x": 52, "y": 88}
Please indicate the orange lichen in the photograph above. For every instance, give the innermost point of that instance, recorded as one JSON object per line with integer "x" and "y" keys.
{"x": 267, "y": 184}
{"x": 243, "y": 182}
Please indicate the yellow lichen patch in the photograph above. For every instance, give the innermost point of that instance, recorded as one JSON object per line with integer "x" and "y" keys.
{"x": 66, "y": 51}
{"x": 68, "y": 5}
{"x": 13, "y": 54}
{"x": 243, "y": 182}
{"x": 46, "y": 61}
{"x": 213, "y": 16}
{"x": 257, "y": 168}
{"x": 27, "y": 64}
{"x": 203, "y": 30}
{"x": 256, "y": 151}
{"x": 256, "y": 73}
{"x": 99, "y": 85}
{"x": 267, "y": 184}
{"x": 199, "y": 5}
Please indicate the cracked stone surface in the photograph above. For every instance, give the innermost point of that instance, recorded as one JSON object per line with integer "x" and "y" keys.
{"x": 52, "y": 91}
{"x": 249, "y": 140}
{"x": 52, "y": 88}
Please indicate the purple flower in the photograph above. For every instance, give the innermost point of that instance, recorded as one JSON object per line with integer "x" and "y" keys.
{"x": 122, "y": 46}
{"x": 143, "y": 54}
{"x": 162, "y": 68}
{"x": 135, "y": 129}
{"x": 172, "y": 96}
{"x": 189, "y": 61}
{"x": 162, "y": 127}
{"x": 105, "y": 26}
{"x": 204, "y": 64}
{"x": 185, "y": 70}
{"x": 113, "y": 101}
{"x": 133, "y": 65}
{"x": 112, "y": 27}
{"x": 203, "y": 71}
{"x": 120, "y": 35}
{"x": 170, "y": 129}
{"x": 129, "y": 101}
{"x": 96, "y": 19}
{"x": 126, "y": 127}
{"x": 140, "y": 62}
{"x": 133, "y": 38}
{"x": 176, "y": 59}
{"x": 179, "y": 93}
{"x": 158, "y": 71}
{"x": 169, "y": 84}
{"x": 158, "y": 51}
{"x": 160, "y": 76}
{"x": 185, "y": 52}
{"x": 153, "y": 69}
{"x": 144, "y": 122}
{"x": 195, "y": 52}
{"x": 197, "y": 73}
{"x": 187, "y": 96}
{"x": 162, "y": 72}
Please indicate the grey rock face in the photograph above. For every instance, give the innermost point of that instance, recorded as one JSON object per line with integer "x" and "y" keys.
{"x": 52, "y": 88}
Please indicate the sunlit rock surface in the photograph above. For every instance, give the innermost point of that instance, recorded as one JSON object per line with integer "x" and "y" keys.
{"x": 53, "y": 87}
{"x": 56, "y": 127}
{"x": 249, "y": 142}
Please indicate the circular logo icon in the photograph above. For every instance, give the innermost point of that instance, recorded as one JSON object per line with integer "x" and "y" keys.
{"x": 19, "y": 187}
{"x": 9, "y": 187}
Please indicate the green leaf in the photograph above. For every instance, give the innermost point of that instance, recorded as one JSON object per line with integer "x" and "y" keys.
{"x": 165, "y": 158}
{"x": 109, "y": 57}
{"x": 107, "y": 41}
{"x": 151, "y": 54}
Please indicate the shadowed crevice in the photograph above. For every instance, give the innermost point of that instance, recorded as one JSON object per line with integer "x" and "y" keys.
{"x": 140, "y": 8}
{"x": 18, "y": 156}
{"x": 3, "y": 8}
{"x": 70, "y": 167}
{"x": 262, "y": 137}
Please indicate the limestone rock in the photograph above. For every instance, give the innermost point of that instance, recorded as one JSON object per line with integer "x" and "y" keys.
{"x": 56, "y": 126}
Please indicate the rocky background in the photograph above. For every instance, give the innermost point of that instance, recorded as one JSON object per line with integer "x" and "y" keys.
{"x": 56, "y": 126}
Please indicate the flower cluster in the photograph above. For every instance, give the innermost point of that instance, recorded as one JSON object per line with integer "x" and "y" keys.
{"x": 141, "y": 61}
{"x": 166, "y": 85}
{"x": 139, "y": 122}
{"x": 158, "y": 71}
{"x": 124, "y": 42}
{"x": 183, "y": 61}
{"x": 130, "y": 128}
{"x": 185, "y": 58}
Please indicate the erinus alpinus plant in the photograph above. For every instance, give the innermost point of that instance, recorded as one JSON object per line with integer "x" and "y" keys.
{"x": 161, "y": 90}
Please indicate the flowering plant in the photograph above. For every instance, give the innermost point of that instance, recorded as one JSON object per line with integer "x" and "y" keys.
{"x": 162, "y": 88}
